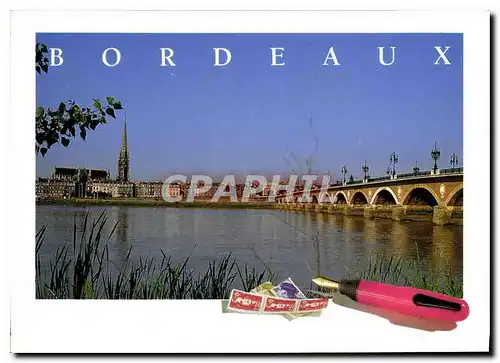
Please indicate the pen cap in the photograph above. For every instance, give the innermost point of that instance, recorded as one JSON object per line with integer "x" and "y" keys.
{"x": 411, "y": 301}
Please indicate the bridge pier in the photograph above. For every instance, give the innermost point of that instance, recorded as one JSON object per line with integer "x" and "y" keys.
{"x": 338, "y": 209}
{"x": 383, "y": 211}
{"x": 419, "y": 213}
{"x": 354, "y": 210}
{"x": 457, "y": 215}
{"x": 321, "y": 208}
{"x": 369, "y": 212}
{"x": 309, "y": 207}
{"x": 399, "y": 213}
{"x": 441, "y": 215}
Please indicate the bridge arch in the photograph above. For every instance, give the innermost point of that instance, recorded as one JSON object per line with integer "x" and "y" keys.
{"x": 303, "y": 199}
{"x": 359, "y": 198}
{"x": 314, "y": 199}
{"x": 421, "y": 194}
{"x": 325, "y": 198}
{"x": 340, "y": 198}
{"x": 386, "y": 193}
{"x": 456, "y": 197}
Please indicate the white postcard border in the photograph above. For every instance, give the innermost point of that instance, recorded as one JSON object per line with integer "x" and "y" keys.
{"x": 199, "y": 326}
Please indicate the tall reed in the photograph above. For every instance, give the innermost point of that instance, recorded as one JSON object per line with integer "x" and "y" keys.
{"x": 86, "y": 272}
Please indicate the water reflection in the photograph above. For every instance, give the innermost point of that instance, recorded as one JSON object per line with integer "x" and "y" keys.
{"x": 295, "y": 244}
{"x": 444, "y": 248}
{"x": 122, "y": 245}
{"x": 172, "y": 224}
{"x": 399, "y": 238}
{"x": 370, "y": 231}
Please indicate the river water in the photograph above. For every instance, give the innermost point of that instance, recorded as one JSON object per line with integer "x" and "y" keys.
{"x": 287, "y": 242}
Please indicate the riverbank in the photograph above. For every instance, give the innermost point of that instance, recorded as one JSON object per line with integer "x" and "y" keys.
{"x": 143, "y": 202}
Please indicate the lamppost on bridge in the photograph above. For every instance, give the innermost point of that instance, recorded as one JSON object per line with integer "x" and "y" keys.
{"x": 344, "y": 172}
{"x": 416, "y": 169}
{"x": 435, "y": 154}
{"x": 366, "y": 168}
{"x": 394, "y": 159}
{"x": 453, "y": 161}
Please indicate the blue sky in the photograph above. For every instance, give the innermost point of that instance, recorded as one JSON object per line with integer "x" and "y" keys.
{"x": 248, "y": 116}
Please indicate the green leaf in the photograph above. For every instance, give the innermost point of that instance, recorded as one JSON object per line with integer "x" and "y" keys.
{"x": 44, "y": 48}
{"x": 117, "y": 105}
{"x": 82, "y": 119}
{"x": 52, "y": 139}
{"x": 64, "y": 141}
{"x": 62, "y": 107}
{"x": 39, "y": 138}
{"x": 38, "y": 69}
{"x": 110, "y": 112}
{"x": 43, "y": 150}
{"x": 45, "y": 68}
{"x": 40, "y": 111}
{"x": 83, "y": 133}
{"x": 97, "y": 104}
{"x": 110, "y": 99}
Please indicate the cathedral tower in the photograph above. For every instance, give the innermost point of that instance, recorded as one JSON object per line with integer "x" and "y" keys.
{"x": 124, "y": 158}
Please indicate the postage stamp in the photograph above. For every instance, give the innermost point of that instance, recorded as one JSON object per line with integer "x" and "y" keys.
{"x": 288, "y": 290}
{"x": 263, "y": 289}
{"x": 245, "y": 301}
{"x": 277, "y": 305}
{"x": 310, "y": 305}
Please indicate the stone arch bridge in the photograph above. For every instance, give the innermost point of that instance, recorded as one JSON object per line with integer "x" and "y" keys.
{"x": 437, "y": 197}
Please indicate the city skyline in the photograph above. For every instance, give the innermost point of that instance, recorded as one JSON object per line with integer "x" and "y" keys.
{"x": 407, "y": 107}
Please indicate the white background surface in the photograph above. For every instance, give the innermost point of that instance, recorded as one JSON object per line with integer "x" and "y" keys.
{"x": 160, "y": 325}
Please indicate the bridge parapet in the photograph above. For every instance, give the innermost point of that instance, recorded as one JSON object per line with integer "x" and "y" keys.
{"x": 444, "y": 189}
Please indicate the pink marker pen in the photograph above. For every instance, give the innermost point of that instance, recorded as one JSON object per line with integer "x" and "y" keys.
{"x": 401, "y": 299}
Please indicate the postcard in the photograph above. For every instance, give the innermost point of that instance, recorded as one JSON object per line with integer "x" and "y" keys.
{"x": 176, "y": 166}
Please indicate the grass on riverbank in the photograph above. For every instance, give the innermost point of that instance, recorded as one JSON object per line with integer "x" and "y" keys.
{"x": 84, "y": 271}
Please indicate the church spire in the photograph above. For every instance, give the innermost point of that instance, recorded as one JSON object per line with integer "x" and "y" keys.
{"x": 124, "y": 137}
{"x": 124, "y": 157}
